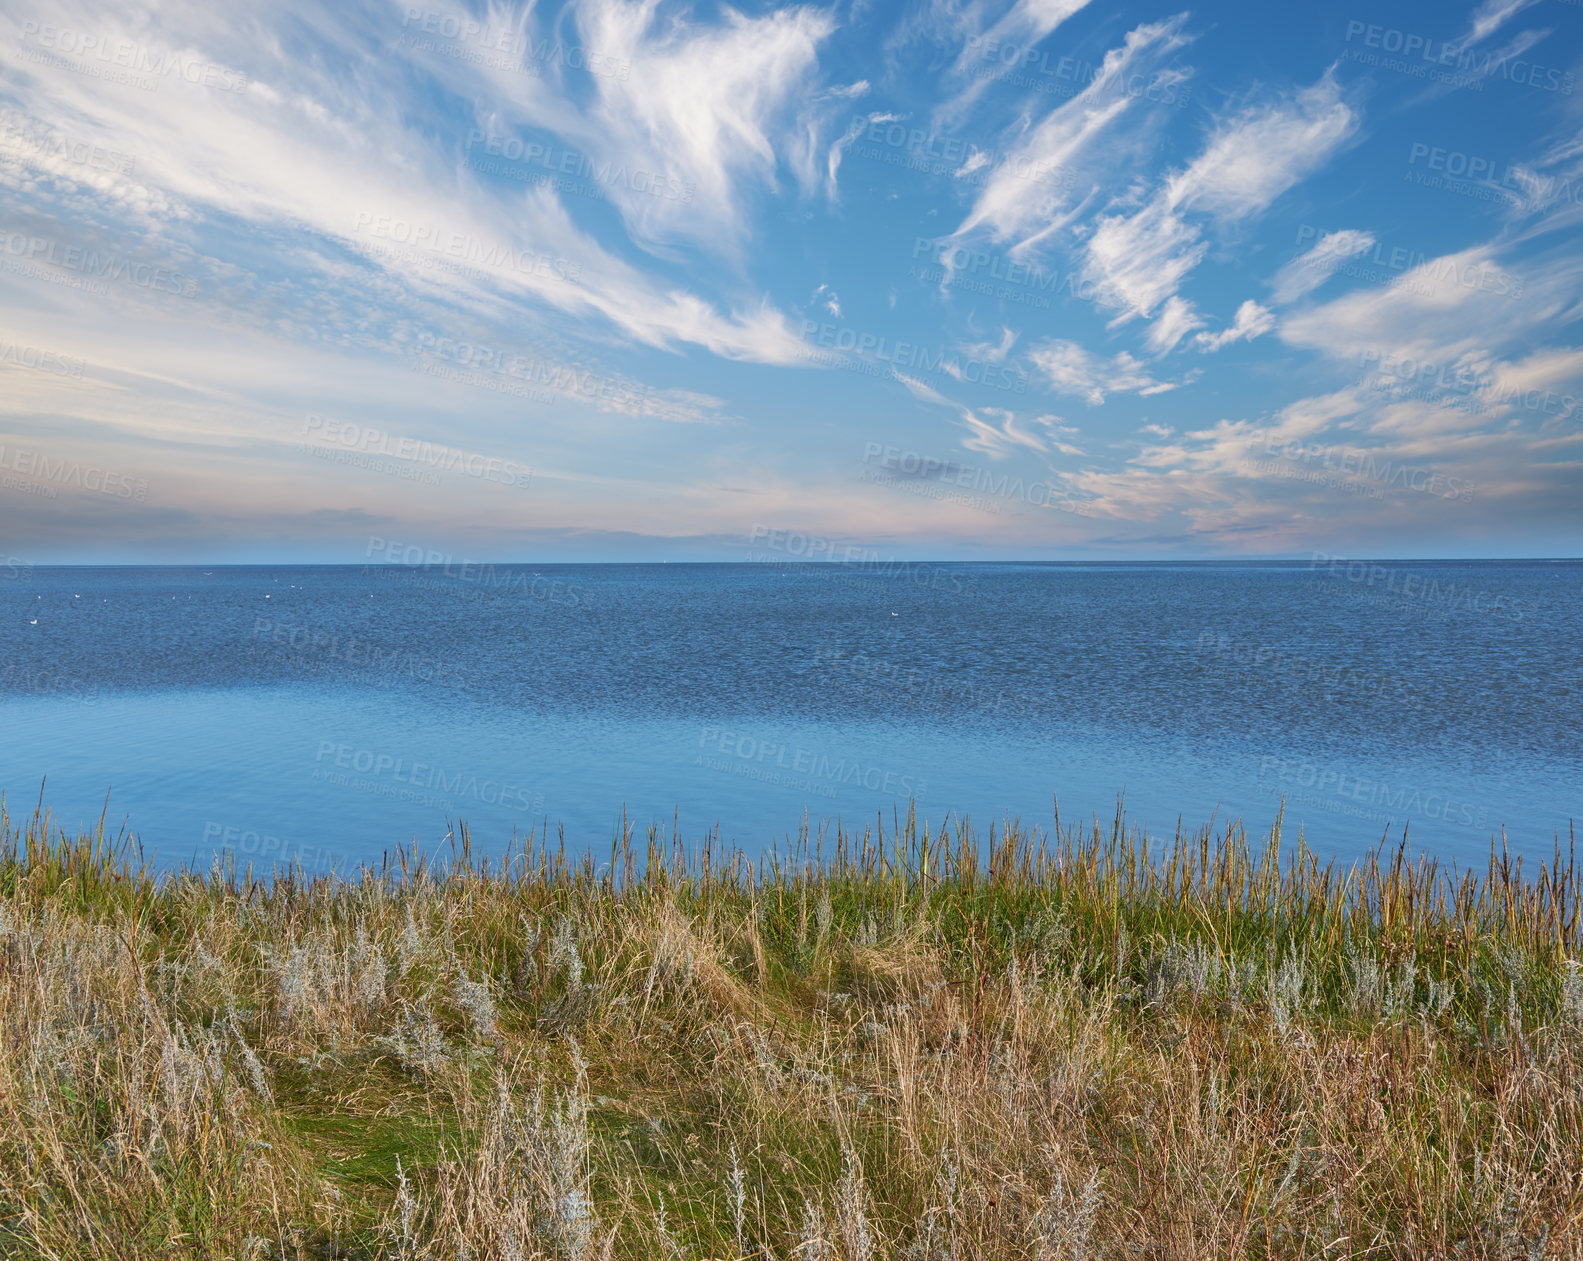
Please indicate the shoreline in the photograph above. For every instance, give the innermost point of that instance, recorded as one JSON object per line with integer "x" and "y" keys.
{"x": 873, "y": 1045}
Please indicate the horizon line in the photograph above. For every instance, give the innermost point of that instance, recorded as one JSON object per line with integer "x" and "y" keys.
{"x": 827, "y": 564}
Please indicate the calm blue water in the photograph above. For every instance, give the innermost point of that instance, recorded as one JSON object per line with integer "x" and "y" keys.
{"x": 329, "y": 713}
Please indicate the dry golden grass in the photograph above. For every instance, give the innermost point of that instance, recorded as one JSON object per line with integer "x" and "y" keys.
{"x": 880, "y": 1046}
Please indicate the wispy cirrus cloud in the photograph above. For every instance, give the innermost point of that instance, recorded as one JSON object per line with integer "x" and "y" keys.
{"x": 1059, "y": 221}
{"x": 1491, "y": 15}
{"x": 1475, "y": 65}
{"x": 1252, "y": 320}
{"x": 710, "y": 105}
{"x": 1408, "y": 467}
{"x": 1138, "y": 261}
{"x": 997, "y": 431}
{"x": 1014, "y": 208}
{"x": 1177, "y": 319}
{"x": 299, "y": 151}
{"x": 1450, "y": 401}
{"x": 1310, "y": 270}
{"x": 1463, "y": 304}
{"x": 1071, "y": 369}
{"x": 1024, "y": 23}
{"x": 1257, "y": 153}
{"x": 1021, "y": 27}
{"x": 1138, "y": 258}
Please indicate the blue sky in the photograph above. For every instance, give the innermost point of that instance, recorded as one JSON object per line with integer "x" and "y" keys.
{"x": 644, "y": 281}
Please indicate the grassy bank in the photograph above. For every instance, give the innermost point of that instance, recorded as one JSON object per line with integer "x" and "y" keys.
{"x": 883, "y": 1045}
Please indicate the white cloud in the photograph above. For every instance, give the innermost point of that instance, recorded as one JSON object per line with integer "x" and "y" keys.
{"x": 1022, "y": 26}
{"x": 1511, "y": 441}
{"x": 1410, "y": 468}
{"x": 708, "y": 105}
{"x": 1492, "y": 15}
{"x": 1545, "y": 192}
{"x": 995, "y": 431}
{"x": 976, "y": 161}
{"x": 1071, "y": 369}
{"x": 1259, "y": 153}
{"x": 1029, "y": 21}
{"x": 836, "y": 153}
{"x": 307, "y": 149}
{"x": 1137, "y": 260}
{"x": 267, "y": 192}
{"x": 1550, "y": 370}
{"x": 1177, "y": 319}
{"x": 1307, "y": 272}
{"x": 1252, "y": 321}
{"x": 816, "y": 164}
{"x": 1464, "y": 305}
{"x": 1472, "y": 68}
{"x": 1064, "y": 145}
{"x": 993, "y": 352}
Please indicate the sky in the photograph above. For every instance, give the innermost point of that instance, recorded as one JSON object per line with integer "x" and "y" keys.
{"x": 643, "y": 281}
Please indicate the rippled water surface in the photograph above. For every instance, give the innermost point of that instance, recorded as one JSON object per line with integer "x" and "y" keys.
{"x": 329, "y": 713}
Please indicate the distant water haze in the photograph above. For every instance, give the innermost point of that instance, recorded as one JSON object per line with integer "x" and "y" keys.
{"x": 327, "y": 714}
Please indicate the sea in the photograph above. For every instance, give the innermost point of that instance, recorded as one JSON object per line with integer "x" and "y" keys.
{"x": 324, "y": 716}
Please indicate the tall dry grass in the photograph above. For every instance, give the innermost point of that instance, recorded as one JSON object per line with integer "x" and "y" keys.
{"x": 879, "y": 1045}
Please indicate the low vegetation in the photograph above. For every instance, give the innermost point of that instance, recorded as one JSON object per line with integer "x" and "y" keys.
{"x": 889, "y": 1044}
